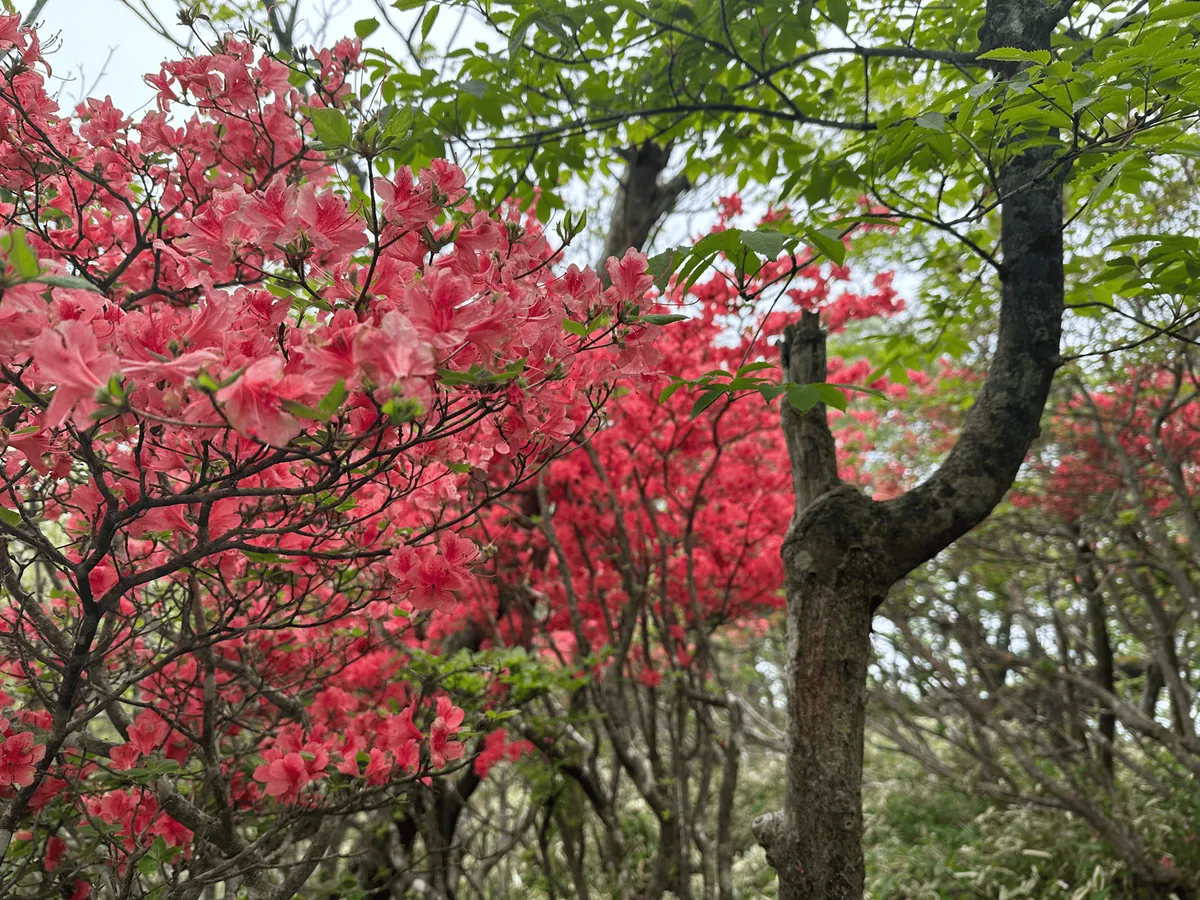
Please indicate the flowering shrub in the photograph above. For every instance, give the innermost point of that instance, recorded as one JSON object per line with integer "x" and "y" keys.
{"x": 247, "y": 408}
{"x": 669, "y": 520}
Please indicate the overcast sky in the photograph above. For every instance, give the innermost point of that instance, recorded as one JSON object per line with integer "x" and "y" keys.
{"x": 90, "y": 30}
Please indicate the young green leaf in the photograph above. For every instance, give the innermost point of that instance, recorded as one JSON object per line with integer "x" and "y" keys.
{"x": 300, "y": 410}
{"x": 662, "y": 318}
{"x": 707, "y": 399}
{"x": 332, "y": 402}
{"x": 427, "y": 23}
{"x": 332, "y": 127}
{"x": 830, "y": 246}
{"x": 1012, "y": 54}
{"x": 803, "y": 397}
{"x": 67, "y": 281}
{"x": 755, "y": 367}
{"x": 669, "y": 390}
{"x": 20, "y": 256}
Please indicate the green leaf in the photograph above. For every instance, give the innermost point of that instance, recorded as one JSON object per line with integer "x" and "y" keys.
{"x": 1012, "y": 54}
{"x": 858, "y": 388}
{"x": 831, "y": 396}
{"x": 520, "y": 28}
{"x": 726, "y": 241}
{"x": 451, "y": 378}
{"x": 266, "y": 558}
{"x": 803, "y": 397}
{"x": 830, "y": 246}
{"x": 300, "y": 410}
{"x": 399, "y": 125}
{"x": 934, "y": 121}
{"x": 573, "y": 327}
{"x": 839, "y": 12}
{"x": 332, "y": 127}
{"x": 662, "y": 265}
{"x": 691, "y": 273}
{"x": 755, "y": 367}
{"x": 1185, "y": 10}
{"x": 669, "y": 390}
{"x": 707, "y": 399}
{"x": 870, "y": 220}
{"x": 332, "y": 402}
{"x": 427, "y": 23}
{"x": 20, "y": 257}
{"x": 364, "y": 28}
{"x": 662, "y": 318}
{"x": 769, "y": 244}
{"x": 206, "y": 382}
{"x": 10, "y": 517}
{"x": 770, "y": 391}
{"x": 67, "y": 281}
{"x": 148, "y": 864}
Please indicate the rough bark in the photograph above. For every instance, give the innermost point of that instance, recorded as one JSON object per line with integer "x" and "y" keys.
{"x": 830, "y": 555}
{"x": 843, "y": 551}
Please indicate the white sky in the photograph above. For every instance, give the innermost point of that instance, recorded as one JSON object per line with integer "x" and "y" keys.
{"x": 88, "y": 30}
{"x": 103, "y": 49}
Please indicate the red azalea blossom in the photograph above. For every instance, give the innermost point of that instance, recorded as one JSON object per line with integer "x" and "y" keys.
{"x": 19, "y": 754}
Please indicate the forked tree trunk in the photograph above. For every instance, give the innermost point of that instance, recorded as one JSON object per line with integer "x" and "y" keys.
{"x": 843, "y": 551}
{"x": 833, "y": 587}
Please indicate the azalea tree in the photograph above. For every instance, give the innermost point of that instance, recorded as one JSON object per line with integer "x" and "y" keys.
{"x": 250, "y": 409}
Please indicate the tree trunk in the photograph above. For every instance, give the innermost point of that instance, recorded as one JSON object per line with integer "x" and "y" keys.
{"x": 1105, "y": 672}
{"x": 833, "y": 586}
{"x": 843, "y": 551}
{"x": 643, "y": 200}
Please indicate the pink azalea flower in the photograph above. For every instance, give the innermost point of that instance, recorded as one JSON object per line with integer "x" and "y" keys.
{"x": 630, "y": 278}
{"x": 285, "y": 777}
{"x": 68, "y": 359}
{"x": 254, "y": 403}
{"x": 124, "y": 756}
{"x": 392, "y": 353}
{"x": 148, "y": 732}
